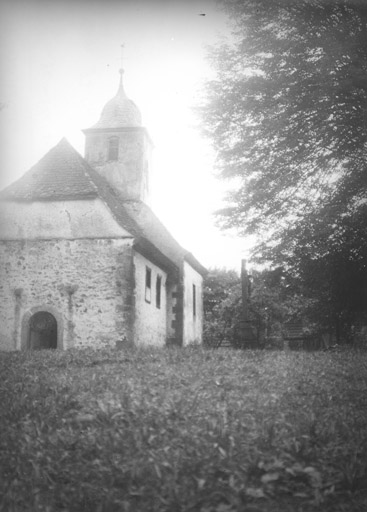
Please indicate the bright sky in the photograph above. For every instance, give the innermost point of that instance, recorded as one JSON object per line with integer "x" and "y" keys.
{"x": 59, "y": 66}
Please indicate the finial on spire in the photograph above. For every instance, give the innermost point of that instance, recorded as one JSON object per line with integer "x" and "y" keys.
{"x": 122, "y": 46}
{"x": 121, "y": 70}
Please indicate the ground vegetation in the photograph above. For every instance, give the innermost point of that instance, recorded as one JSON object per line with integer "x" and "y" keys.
{"x": 183, "y": 429}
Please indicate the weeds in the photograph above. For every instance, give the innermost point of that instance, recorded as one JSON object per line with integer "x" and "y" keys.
{"x": 183, "y": 430}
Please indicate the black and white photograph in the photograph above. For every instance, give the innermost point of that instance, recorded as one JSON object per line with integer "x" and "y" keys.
{"x": 183, "y": 256}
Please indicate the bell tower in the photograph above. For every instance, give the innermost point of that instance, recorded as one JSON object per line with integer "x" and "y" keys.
{"x": 119, "y": 148}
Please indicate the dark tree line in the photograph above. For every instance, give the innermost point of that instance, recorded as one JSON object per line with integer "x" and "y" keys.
{"x": 287, "y": 115}
{"x": 275, "y": 299}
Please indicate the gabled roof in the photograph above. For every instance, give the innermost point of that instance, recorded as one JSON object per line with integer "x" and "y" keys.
{"x": 63, "y": 174}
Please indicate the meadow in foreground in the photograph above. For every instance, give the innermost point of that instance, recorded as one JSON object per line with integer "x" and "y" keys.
{"x": 183, "y": 430}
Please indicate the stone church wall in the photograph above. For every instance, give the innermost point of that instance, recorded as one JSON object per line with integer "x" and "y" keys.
{"x": 88, "y": 284}
{"x": 172, "y": 311}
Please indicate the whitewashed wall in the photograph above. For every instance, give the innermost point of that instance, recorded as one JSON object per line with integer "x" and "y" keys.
{"x": 57, "y": 219}
{"x": 192, "y": 325}
{"x": 150, "y": 321}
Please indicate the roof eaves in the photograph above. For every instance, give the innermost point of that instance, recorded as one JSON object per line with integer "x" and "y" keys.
{"x": 150, "y": 251}
{"x": 190, "y": 258}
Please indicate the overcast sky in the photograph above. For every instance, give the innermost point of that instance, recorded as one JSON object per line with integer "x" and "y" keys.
{"x": 59, "y": 66}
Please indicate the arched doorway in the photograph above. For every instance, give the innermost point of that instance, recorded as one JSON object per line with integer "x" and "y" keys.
{"x": 42, "y": 331}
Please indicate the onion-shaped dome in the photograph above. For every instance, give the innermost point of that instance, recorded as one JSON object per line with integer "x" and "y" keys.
{"x": 120, "y": 111}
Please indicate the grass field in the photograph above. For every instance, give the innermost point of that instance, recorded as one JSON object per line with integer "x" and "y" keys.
{"x": 183, "y": 430}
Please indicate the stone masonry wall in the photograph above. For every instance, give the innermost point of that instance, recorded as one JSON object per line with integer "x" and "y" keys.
{"x": 172, "y": 310}
{"x": 88, "y": 283}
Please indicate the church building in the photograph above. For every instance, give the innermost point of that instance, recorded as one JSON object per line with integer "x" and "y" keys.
{"x": 85, "y": 262}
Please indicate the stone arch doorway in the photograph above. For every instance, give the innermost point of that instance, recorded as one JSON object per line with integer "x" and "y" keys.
{"x": 42, "y": 328}
{"x": 42, "y": 331}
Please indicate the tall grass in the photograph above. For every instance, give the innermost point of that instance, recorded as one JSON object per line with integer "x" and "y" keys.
{"x": 183, "y": 430}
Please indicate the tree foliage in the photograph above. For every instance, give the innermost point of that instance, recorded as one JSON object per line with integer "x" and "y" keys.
{"x": 275, "y": 298}
{"x": 287, "y": 114}
{"x": 222, "y": 305}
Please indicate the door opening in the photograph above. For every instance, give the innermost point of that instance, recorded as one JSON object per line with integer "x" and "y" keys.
{"x": 42, "y": 331}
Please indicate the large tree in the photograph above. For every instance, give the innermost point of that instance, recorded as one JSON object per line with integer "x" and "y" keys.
{"x": 287, "y": 114}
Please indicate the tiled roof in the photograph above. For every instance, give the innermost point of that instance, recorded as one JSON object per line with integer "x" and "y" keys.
{"x": 63, "y": 174}
{"x": 119, "y": 112}
{"x": 60, "y": 174}
{"x": 139, "y": 220}
{"x": 152, "y": 229}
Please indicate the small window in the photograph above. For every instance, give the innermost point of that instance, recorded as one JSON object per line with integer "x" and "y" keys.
{"x": 158, "y": 291}
{"x": 113, "y": 148}
{"x": 194, "y": 299}
{"x": 148, "y": 284}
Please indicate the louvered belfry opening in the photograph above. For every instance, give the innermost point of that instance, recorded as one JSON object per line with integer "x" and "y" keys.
{"x": 42, "y": 331}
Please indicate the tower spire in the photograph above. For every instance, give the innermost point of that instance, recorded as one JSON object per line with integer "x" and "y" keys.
{"x": 120, "y": 111}
{"x": 119, "y": 147}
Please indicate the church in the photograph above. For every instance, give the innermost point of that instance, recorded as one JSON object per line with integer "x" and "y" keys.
{"x": 85, "y": 261}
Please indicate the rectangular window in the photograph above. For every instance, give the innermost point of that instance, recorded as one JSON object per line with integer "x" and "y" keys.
{"x": 194, "y": 299}
{"x": 113, "y": 148}
{"x": 148, "y": 284}
{"x": 158, "y": 291}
